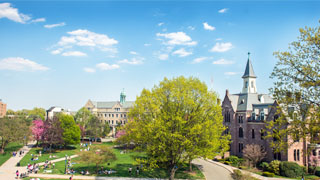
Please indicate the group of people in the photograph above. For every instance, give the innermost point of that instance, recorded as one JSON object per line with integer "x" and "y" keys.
{"x": 102, "y": 171}
{"x": 22, "y": 175}
{"x": 70, "y": 171}
{"x": 33, "y": 168}
{"x": 85, "y": 172}
{"x": 137, "y": 170}
{"x": 14, "y": 153}
{"x": 34, "y": 157}
{"x": 48, "y": 164}
{"x": 85, "y": 146}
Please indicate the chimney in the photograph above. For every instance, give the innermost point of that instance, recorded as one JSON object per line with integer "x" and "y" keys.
{"x": 227, "y": 92}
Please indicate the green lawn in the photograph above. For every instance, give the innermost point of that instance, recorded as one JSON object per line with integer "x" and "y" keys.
{"x": 122, "y": 164}
{"x": 45, "y": 155}
{"x": 8, "y": 151}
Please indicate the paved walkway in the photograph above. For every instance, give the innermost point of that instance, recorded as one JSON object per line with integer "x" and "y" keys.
{"x": 85, "y": 177}
{"x": 8, "y": 169}
{"x": 212, "y": 171}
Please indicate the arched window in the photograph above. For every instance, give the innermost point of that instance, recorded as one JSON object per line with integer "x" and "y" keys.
{"x": 252, "y": 133}
{"x": 252, "y": 84}
{"x": 246, "y": 84}
{"x": 253, "y": 116}
{"x": 262, "y": 116}
{"x": 240, "y": 132}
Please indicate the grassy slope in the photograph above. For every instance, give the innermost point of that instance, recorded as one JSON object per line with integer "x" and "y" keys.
{"x": 8, "y": 151}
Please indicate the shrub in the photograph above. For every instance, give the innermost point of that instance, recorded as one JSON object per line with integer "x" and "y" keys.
{"x": 268, "y": 174}
{"x": 318, "y": 172}
{"x": 234, "y": 160}
{"x": 238, "y": 175}
{"x": 227, "y": 162}
{"x": 290, "y": 169}
{"x": 242, "y": 167}
{"x": 264, "y": 166}
{"x": 274, "y": 167}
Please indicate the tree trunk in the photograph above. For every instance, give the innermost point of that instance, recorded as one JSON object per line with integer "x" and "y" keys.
{"x": 172, "y": 173}
{"x": 190, "y": 165}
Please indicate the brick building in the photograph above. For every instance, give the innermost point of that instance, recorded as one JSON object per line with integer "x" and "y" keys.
{"x": 3, "y": 109}
{"x": 244, "y": 116}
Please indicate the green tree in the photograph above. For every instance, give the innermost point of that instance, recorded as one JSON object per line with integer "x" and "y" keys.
{"x": 297, "y": 91}
{"x": 12, "y": 130}
{"x": 97, "y": 155}
{"x": 10, "y": 112}
{"x": 173, "y": 121}
{"x": 36, "y": 113}
{"x": 71, "y": 131}
{"x": 106, "y": 129}
{"x": 94, "y": 127}
{"x": 83, "y": 116}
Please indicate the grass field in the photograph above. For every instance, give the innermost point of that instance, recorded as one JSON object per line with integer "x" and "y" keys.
{"x": 122, "y": 164}
{"x": 8, "y": 151}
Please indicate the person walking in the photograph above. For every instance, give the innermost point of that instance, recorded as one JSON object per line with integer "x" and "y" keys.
{"x": 17, "y": 174}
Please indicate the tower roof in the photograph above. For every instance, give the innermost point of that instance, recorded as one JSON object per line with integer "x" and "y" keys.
{"x": 249, "y": 69}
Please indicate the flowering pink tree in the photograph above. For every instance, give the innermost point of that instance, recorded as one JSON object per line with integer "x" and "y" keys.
{"x": 120, "y": 133}
{"x": 38, "y": 129}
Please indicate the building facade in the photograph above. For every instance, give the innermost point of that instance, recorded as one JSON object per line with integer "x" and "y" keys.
{"x": 112, "y": 112}
{"x": 3, "y": 109}
{"x": 54, "y": 110}
{"x": 245, "y": 115}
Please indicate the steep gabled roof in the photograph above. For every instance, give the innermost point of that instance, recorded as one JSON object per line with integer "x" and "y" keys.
{"x": 249, "y": 70}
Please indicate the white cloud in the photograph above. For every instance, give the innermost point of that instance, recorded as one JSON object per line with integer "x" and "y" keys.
{"x": 224, "y": 10}
{"x": 105, "y": 66}
{"x": 74, "y": 53}
{"x": 221, "y": 47}
{"x": 160, "y": 24}
{"x": 191, "y": 28}
{"x": 89, "y": 70}
{"x": 177, "y": 38}
{"x": 7, "y": 11}
{"x": 163, "y": 56}
{"x": 146, "y": 44}
{"x": 21, "y": 64}
{"x": 223, "y": 62}
{"x": 230, "y": 73}
{"x": 182, "y": 52}
{"x": 84, "y": 38}
{"x": 134, "y": 61}
{"x": 57, "y": 51}
{"x": 133, "y": 53}
{"x": 219, "y": 39}
{"x": 38, "y": 20}
{"x": 49, "y": 26}
{"x": 206, "y": 26}
{"x": 199, "y": 60}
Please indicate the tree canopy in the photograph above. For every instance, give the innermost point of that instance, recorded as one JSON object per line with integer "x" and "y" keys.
{"x": 71, "y": 131}
{"x": 177, "y": 120}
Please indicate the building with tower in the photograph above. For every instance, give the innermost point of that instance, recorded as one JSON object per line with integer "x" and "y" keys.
{"x": 245, "y": 115}
{"x": 3, "y": 109}
{"x": 112, "y": 112}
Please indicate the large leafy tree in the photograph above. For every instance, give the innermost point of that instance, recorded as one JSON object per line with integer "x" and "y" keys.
{"x": 94, "y": 127}
{"x": 53, "y": 132}
{"x": 71, "y": 131}
{"x": 12, "y": 130}
{"x": 297, "y": 90}
{"x": 97, "y": 155}
{"x": 173, "y": 121}
{"x": 37, "y": 113}
{"x": 83, "y": 116}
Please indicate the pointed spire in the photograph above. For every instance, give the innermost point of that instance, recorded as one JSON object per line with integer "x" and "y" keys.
{"x": 249, "y": 69}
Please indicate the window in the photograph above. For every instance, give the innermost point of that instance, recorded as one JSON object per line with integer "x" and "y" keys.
{"x": 252, "y": 132}
{"x": 252, "y": 84}
{"x": 295, "y": 155}
{"x": 105, "y": 115}
{"x": 262, "y": 115}
{"x": 298, "y": 154}
{"x": 253, "y": 116}
{"x": 112, "y": 121}
{"x": 121, "y": 122}
{"x": 275, "y": 117}
{"x": 105, "y": 121}
{"x": 240, "y": 132}
{"x": 277, "y": 156}
{"x": 240, "y": 147}
{"x": 116, "y": 115}
{"x": 240, "y": 118}
{"x": 125, "y": 115}
{"x": 262, "y": 134}
{"x": 246, "y": 84}
{"x": 109, "y": 115}
{"x": 120, "y": 115}
{"x": 109, "y": 121}
{"x": 112, "y": 115}
{"x": 314, "y": 153}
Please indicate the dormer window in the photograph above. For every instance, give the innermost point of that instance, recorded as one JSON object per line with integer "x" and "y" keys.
{"x": 242, "y": 101}
{"x": 253, "y": 116}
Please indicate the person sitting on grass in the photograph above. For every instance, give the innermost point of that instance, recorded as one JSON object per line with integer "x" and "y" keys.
{"x": 87, "y": 172}
{"x": 82, "y": 172}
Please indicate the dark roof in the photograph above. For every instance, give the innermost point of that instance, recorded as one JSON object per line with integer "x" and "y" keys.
{"x": 249, "y": 70}
{"x": 245, "y": 102}
{"x": 110, "y": 104}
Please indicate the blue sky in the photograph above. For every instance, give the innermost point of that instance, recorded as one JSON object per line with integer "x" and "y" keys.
{"x": 64, "y": 53}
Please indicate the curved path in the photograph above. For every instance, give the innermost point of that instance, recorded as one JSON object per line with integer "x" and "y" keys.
{"x": 212, "y": 171}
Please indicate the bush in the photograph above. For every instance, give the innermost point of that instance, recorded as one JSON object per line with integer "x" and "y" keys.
{"x": 274, "y": 167}
{"x": 268, "y": 174}
{"x": 290, "y": 169}
{"x": 238, "y": 175}
{"x": 234, "y": 160}
{"x": 242, "y": 167}
{"x": 318, "y": 172}
{"x": 264, "y": 166}
{"x": 227, "y": 163}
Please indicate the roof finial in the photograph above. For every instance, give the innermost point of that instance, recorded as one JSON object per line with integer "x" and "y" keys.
{"x": 248, "y": 55}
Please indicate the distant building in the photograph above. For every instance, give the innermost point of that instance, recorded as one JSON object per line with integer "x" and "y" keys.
{"x": 112, "y": 112}
{"x": 244, "y": 116}
{"x": 3, "y": 109}
{"x": 54, "y": 110}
